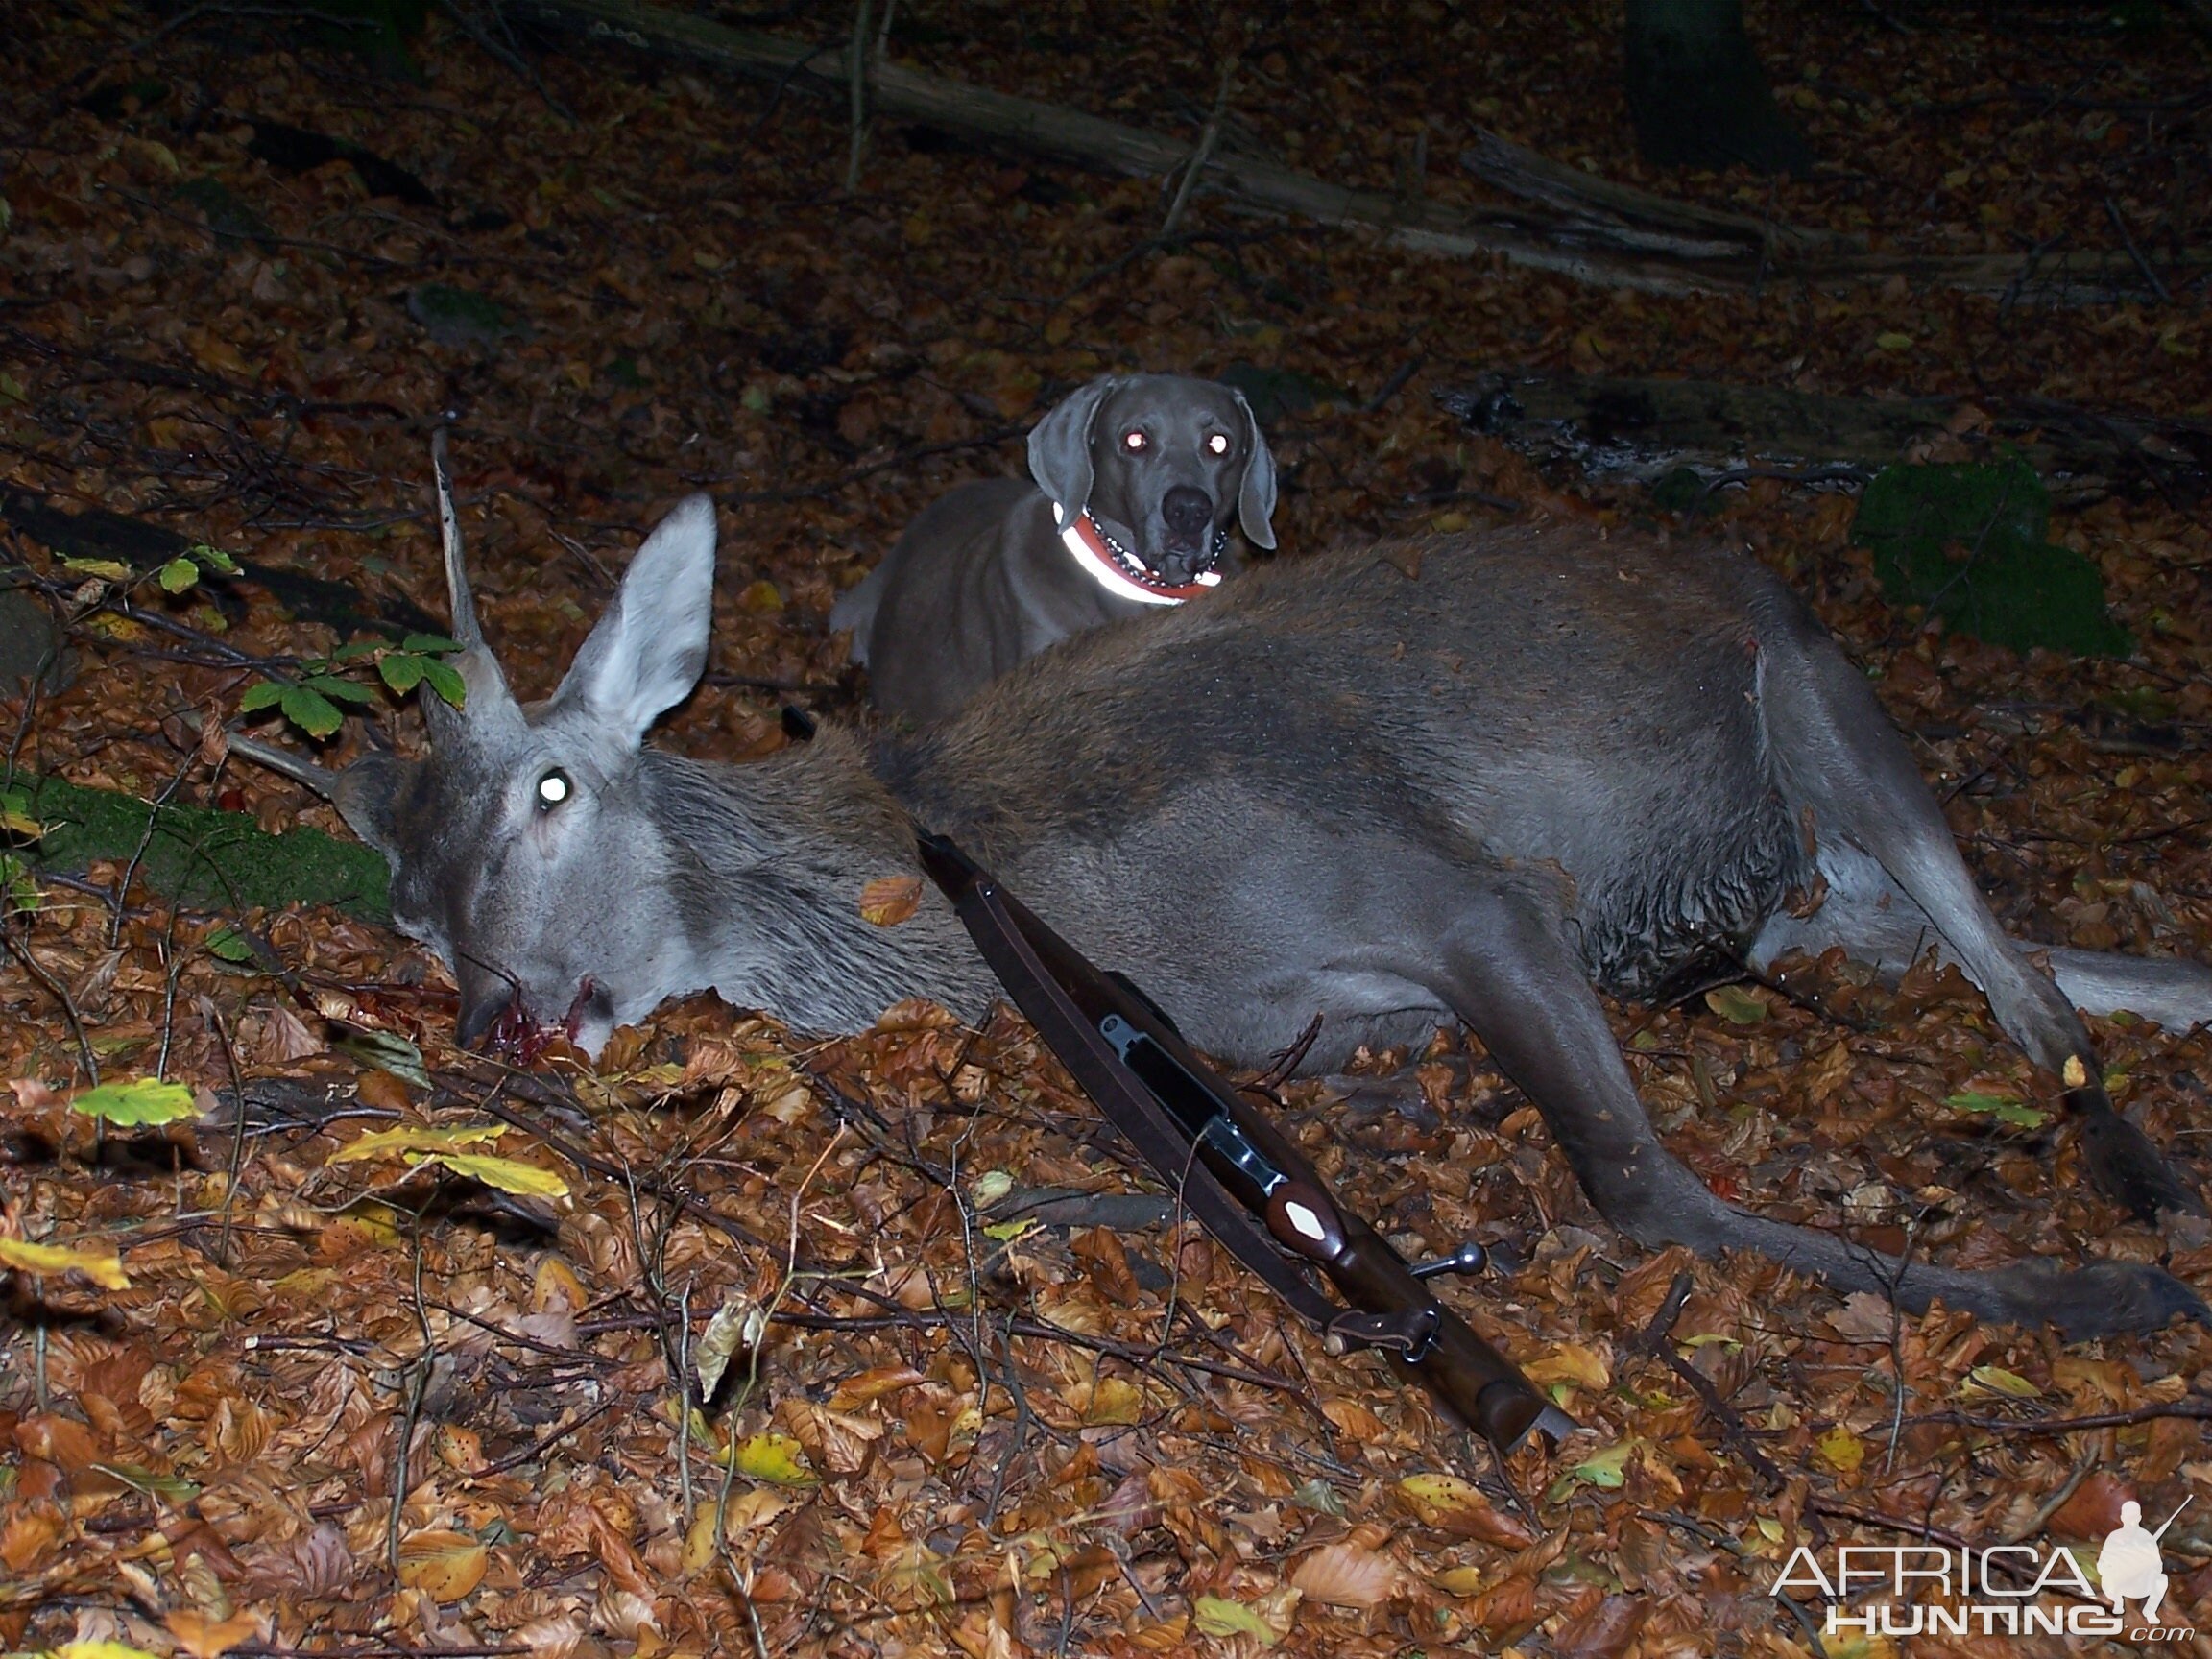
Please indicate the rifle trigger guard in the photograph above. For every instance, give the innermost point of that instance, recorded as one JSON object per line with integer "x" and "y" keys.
{"x": 1405, "y": 1334}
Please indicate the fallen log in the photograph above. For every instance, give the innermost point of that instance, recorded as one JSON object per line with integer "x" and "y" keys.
{"x": 1639, "y": 430}
{"x": 1607, "y": 235}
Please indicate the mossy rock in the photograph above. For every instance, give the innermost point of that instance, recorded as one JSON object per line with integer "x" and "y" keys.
{"x": 219, "y": 860}
{"x": 1970, "y": 544}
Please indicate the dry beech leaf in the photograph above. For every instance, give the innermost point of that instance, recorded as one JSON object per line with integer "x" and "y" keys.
{"x": 872, "y": 1386}
{"x": 890, "y": 900}
{"x": 444, "y": 1566}
{"x": 1348, "y": 1574}
{"x": 205, "y": 1638}
{"x": 1605, "y": 1631}
{"x": 1450, "y": 1505}
{"x": 1353, "y": 1421}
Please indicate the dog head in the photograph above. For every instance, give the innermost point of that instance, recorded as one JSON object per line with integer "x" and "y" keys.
{"x": 1162, "y": 463}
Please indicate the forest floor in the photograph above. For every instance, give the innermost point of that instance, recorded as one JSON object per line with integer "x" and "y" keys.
{"x": 623, "y": 278}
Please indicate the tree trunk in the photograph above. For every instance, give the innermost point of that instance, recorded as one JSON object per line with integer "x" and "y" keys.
{"x": 1696, "y": 94}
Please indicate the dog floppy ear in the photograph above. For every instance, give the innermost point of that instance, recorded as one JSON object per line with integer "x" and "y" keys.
{"x": 1256, "y": 501}
{"x": 1060, "y": 446}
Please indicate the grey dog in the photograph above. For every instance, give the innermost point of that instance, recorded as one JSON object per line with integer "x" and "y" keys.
{"x": 1137, "y": 479}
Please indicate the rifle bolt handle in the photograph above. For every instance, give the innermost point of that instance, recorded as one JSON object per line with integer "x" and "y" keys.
{"x": 1468, "y": 1258}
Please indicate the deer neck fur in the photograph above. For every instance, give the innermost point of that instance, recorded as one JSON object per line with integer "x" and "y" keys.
{"x": 768, "y": 862}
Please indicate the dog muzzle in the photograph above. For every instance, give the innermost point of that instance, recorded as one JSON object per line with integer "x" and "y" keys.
{"x": 1119, "y": 571}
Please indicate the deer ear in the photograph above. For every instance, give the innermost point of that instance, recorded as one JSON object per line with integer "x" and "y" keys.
{"x": 366, "y": 795}
{"x": 1255, "y": 501}
{"x": 1060, "y": 446}
{"x": 649, "y": 647}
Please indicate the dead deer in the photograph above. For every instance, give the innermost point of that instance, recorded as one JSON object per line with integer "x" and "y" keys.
{"x": 1477, "y": 777}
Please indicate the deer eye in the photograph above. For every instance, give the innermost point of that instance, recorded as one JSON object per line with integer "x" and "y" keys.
{"x": 1135, "y": 443}
{"x": 553, "y": 788}
{"x": 1218, "y": 444}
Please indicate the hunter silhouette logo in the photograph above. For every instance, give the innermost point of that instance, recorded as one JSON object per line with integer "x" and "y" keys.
{"x": 2128, "y": 1567}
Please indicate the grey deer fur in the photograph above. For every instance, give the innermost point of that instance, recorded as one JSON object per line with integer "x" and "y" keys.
{"x": 1463, "y": 776}
{"x": 980, "y": 580}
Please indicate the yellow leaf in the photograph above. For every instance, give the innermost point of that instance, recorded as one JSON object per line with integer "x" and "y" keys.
{"x": 107, "y": 570}
{"x": 772, "y": 1458}
{"x": 444, "y": 1566}
{"x": 416, "y": 1138}
{"x": 890, "y": 900}
{"x": 100, "y": 1651}
{"x": 761, "y": 598}
{"x": 1841, "y": 1449}
{"x": 1571, "y": 1363}
{"x": 2074, "y": 1074}
{"x": 508, "y": 1174}
{"x": 1996, "y": 1380}
{"x": 1889, "y": 340}
{"x": 104, "y": 1267}
{"x": 1609, "y": 1468}
{"x": 1218, "y": 1617}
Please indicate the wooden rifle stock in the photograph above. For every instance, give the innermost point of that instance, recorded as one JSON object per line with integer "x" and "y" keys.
{"x": 1248, "y": 1184}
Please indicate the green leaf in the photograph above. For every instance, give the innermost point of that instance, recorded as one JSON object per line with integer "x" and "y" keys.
{"x": 211, "y": 558}
{"x": 435, "y": 643}
{"x": 18, "y": 892}
{"x": 1607, "y": 1469}
{"x": 345, "y": 690}
{"x": 1736, "y": 1005}
{"x": 1971, "y": 544}
{"x": 2001, "y": 1107}
{"x": 1218, "y": 1617}
{"x": 403, "y": 670}
{"x": 144, "y": 1101}
{"x": 178, "y": 575}
{"x": 107, "y": 570}
{"x": 310, "y": 711}
{"x": 508, "y": 1174}
{"x": 390, "y": 1052}
{"x": 448, "y": 683}
{"x": 265, "y": 694}
{"x": 15, "y": 816}
{"x": 228, "y": 945}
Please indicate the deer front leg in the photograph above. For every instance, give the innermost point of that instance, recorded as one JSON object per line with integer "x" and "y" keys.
{"x": 1509, "y": 974}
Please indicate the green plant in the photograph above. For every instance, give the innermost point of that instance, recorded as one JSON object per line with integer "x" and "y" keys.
{"x": 312, "y": 701}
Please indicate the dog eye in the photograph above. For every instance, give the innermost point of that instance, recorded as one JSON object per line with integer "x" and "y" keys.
{"x": 552, "y": 789}
{"x": 1134, "y": 442}
{"x": 1218, "y": 444}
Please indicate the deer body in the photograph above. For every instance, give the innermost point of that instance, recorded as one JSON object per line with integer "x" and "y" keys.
{"x": 1460, "y": 778}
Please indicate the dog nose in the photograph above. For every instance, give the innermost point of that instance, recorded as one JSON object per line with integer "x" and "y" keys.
{"x": 1186, "y": 511}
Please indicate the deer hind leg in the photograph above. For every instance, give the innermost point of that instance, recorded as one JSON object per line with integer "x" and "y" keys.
{"x": 1507, "y": 972}
{"x": 1898, "y": 886}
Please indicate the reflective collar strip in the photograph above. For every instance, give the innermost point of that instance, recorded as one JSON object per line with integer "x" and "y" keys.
{"x": 1083, "y": 540}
